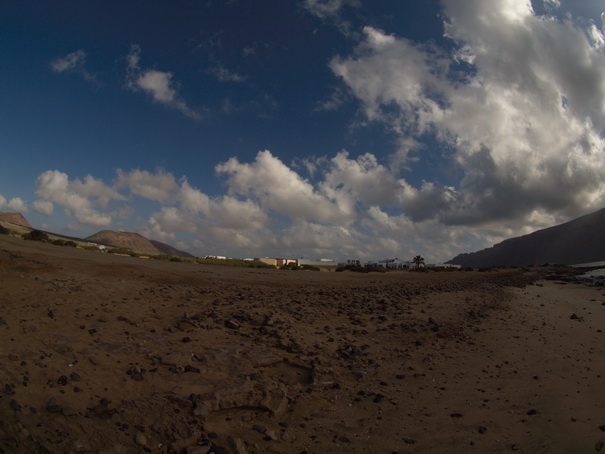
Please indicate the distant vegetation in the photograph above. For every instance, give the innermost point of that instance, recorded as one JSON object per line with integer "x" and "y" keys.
{"x": 122, "y": 251}
{"x": 362, "y": 269}
{"x": 213, "y": 261}
{"x": 60, "y": 242}
{"x": 36, "y": 235}
{"x": 4, "y": 230}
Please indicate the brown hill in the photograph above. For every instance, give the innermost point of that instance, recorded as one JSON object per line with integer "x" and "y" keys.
{"x": 170, "y": 250}
{"x": 134, "y": 241}
{"x": 574, "y": 242}
{"x": 15, "y": 218}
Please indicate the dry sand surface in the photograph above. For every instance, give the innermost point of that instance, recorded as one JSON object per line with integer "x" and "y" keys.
{"x": 108, "y": 354}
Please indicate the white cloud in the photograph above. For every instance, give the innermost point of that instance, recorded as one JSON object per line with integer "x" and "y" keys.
{"x": 362, "y": 179}
{"x": 231, "y": 213}
{"x": 158, "y": 84}
{"x": 14, "y": 204}
{"x": 44, "y": 206}
{"x": 193, "y": 200}
{"x": 525, "y": 126}
{"x": 74, "y": 62}
{"x": 70, "y": 62}
{"x": 278, "y": 188}
{"x": 160, "y": 186}
{"x": 54, "y": 186}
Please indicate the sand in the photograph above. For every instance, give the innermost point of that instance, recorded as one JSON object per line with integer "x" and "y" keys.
{"x": 109, "y": 354}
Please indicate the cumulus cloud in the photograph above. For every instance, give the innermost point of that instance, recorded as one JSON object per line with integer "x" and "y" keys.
{"x": 74, "y": 62}
{"x": 14, "y": 204}
{"x": 160, "y": 186}
{"x": 54, "y": 187}
{"x": 269, "y": 208}
{"x": 278, "y": 188}
{"x": 44, "y": 206}
{"x": 525, "y": 125}
{"x": 158, "y": 84}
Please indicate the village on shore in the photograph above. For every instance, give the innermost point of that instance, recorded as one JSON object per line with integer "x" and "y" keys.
{"x": 389, "y": 264}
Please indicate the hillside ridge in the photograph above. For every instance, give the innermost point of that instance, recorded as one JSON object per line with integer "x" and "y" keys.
{"x": 580, "y": 240}
{"x": 15, "y": 218}
{"x": 134, "y": 241}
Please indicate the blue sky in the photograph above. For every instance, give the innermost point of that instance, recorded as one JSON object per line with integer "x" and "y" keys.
{"x": 316, "y": 128}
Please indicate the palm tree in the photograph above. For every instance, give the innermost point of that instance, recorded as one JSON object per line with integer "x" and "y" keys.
{"x": 418, "y": 260}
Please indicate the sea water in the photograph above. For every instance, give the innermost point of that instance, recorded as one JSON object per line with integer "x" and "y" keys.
{"x": 596, "y": 272}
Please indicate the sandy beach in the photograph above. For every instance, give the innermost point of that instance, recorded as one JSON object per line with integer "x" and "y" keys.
{"x": 110, "y": 354}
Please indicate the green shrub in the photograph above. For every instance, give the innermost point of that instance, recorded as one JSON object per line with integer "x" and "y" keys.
{"x": 122, "y": 250}
{"x": 36, "y": 235}
{"x": 310, "y": 268}
{"x": 362, "y": 269}
{"x": 4, "y": 230}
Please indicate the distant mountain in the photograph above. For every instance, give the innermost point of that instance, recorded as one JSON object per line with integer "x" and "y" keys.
{"x": 579, "y": 241}
{"x": 170, "y": 250}
{"x": 134, "y": 241}
{"x": 15, "y": 218}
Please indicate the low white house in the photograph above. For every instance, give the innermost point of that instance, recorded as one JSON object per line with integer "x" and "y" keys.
{"x": 320, "y": 262}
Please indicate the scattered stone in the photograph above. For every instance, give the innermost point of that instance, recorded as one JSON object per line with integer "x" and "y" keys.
{"x": 532, "y": 412}
{"x": 232, "y": 324}
{"x": 456, "y": 415}
{"x": 270, "y": 434}
{"x": 599, "y": 444}
{"x": 15, "y": 405}
{"x": 140, "y": 439}
{"x": 68, "y": 411}
{"x": 217, "y": 450}
{"x": 482, "y": 429}
{"x": 52, "y": 406}
{"x": 238, "y": 445}
{"x": 259, "y": 429}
